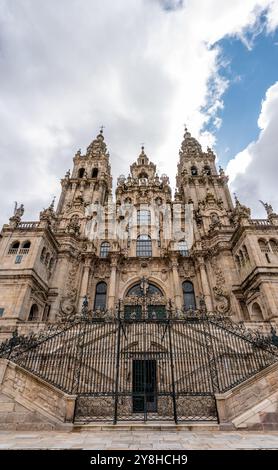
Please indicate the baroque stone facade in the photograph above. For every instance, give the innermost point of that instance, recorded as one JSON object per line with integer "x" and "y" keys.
{"x": 194, "y": 249}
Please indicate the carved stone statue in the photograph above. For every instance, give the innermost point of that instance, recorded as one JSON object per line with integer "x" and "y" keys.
{"x": 268, "y": 208}
{"x": 18, "y": 211}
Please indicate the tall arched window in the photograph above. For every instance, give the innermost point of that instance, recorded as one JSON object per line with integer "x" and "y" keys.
{"x": 13, "y": 248}
{"x": 144, "y": 246}
{"x": 264, "y": 246}
{"x": 207, "y": 170}
{"x": 194, "y": 171}
{"x": 43, "y": 254}
{"x": 188, "y": 296}
{"x": 143, "y": 217}
{"x": 100, "y": 297}
{"x": 274, "y": 246}
{"x": 81, "y": 172}
{"x": 34, "y": 313}
{"x": 94, "y": 172}
{"x": 257, "y": 313}
{"x": 183, "y": 248}
{"x": 25, "y": 247}
{"x": 104, "y": 249}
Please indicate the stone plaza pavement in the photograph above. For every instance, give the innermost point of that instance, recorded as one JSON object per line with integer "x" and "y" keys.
{"x": 143, "y": 439}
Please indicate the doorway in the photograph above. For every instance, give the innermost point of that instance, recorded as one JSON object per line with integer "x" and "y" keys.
{"x": 144, "y": 386}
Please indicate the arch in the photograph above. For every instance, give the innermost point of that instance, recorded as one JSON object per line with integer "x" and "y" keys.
{"x": 207, "y": 170}
{"x": 13, "y": 249}
{"x": 257, "y": 313}
{"x": 144, "y": 246}
{"x": 81, "y": 172}
{"x": 274, "y": 245}
{"x": 94, "y": 172}
{"x": 189, "y": 301}
{"x": 42, "y": 257}
{"x": 34, "y": 313}
{"x": 100, "y": 296}
{"x": 104, "y": 249}
{"x": 183, "y": 248}
{"x": 137, "y": 290}
{"x": 194, "y": 170}
{"x": 25, "y": 247}
{"x": 263, "y": 244}
{"x": 143, "y": 175}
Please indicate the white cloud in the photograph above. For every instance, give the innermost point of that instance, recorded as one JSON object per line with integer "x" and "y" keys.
{"x": 142, "y": 68}
{"x": 254, "y": 170}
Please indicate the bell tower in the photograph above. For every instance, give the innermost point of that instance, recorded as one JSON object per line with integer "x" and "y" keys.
{"x": 90, "y": 182}
{"x": 199, "y": 183}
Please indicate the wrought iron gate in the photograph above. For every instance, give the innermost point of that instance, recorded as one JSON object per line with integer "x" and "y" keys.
{"x": 139, "y": 374}
{"x": 164, "y": 369}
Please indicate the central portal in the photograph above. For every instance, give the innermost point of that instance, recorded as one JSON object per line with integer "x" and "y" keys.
{"x": 144, "y": 386}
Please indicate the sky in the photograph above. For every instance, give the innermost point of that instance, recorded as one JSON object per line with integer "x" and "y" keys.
{"x": 141, "y": 68}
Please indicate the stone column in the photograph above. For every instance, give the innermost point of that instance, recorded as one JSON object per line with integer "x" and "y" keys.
{"x": 84, "y": 281}
{"x": 205, "y": 283}
{"x": 112, "y": 283}
{"x": 176, "y": 283}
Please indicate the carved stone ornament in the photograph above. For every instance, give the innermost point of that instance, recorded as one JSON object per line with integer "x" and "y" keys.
{"x": 221, "y": 296}
{"x": 68, "y": 302}
{"x": 73, "y": 226}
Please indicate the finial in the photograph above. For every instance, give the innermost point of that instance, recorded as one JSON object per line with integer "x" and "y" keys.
{"x": 101, "y": 129}
{"x": 236, "y": 198}
{"x": 52, "y": 203}
{"x": 142, "y": 147}
{"x": 186, "y": 132}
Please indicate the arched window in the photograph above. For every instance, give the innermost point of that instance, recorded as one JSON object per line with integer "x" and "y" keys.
{"x": 81, "y": 172}
{"x": 47, "y": 258}
{"x": 144, "y": 246}
{"x": 143, "y": 175}
{"x": 241, "y": 259}
{"x": 245, "y": 254}
{"x": 43, "y": 254}
{"x": 25, "y": 247}
{"x": 257, "y": 313}
{"x": 183, "y": 248}
{"x": 94, "y": 172}
{"x": 274, "y": 246}
{"x": 143, "y": 217}
{"x": 34, "y": 313}
{"x": 194, "y": 171}
{"x": 104, "y": 249}
{"x": 207, "y": 170}
{"x": 13, "y": 248}
{"x": 188, "y": 296}
{"x": 100, "y": 297}
{"x": 264, "y": 246}
{"x": 51, "y": 263}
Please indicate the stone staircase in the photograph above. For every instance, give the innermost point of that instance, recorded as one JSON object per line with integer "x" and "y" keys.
{"x": 14, "y": 416}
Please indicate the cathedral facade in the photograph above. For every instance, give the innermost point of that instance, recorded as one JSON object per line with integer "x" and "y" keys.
{"x": 149, "y": 306}
{"x": 191, "y": 249}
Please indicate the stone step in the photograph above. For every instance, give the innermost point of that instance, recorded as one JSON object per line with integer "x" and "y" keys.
{"x": 148, "y": 426}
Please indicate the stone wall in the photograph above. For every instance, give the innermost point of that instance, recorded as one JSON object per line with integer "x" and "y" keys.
{"x": 247, "y": 399}
{"x": 35, "y": 394}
